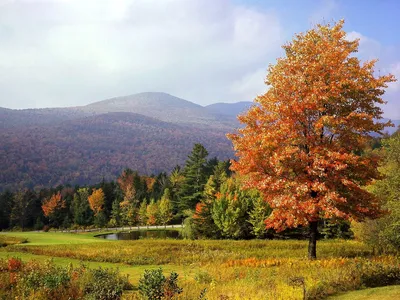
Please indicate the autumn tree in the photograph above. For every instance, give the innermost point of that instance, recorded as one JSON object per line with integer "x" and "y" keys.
{"x": 142, "y": 214}
{"x": 152, "y": 213}
{"x": 128, "y": 213}
{"x": 52, "y": 206}
{"x": 96, "y": 201}
{"x": 165, "y": 208}
{"x": 302, "y": 143}
{"x": 176, "y": 182}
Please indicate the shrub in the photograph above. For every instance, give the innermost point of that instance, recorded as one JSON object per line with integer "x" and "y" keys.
{"x": 155, "y": 286}
{"x": 46, "y": 281}
{"x": 104, "y": 284}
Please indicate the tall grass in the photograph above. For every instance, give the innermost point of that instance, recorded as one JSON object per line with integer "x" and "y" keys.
{"x": 244, "y": 269}
{"x": 182, "y": 252}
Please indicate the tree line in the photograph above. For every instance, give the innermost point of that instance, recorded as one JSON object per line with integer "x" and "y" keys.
{"x": 205, "y": 194}
{"x": 130, "y": 200}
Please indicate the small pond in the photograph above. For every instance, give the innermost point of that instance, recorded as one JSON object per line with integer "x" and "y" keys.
{"x": 142, "y": 234}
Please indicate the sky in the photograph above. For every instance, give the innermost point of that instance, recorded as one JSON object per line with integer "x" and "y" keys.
{"x": 59, "y": 53}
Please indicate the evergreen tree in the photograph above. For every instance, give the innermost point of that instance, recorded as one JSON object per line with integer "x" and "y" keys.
{"x": 259, "y": 214}
{"x": 230, "y": 210}
{"x": 195, "y": 173}
{"x": 83, "y": 215}
{"x": 6, "y": 202}
{"x": 109, "y": 189}
{"x": 176, "y": 180}
{"x": 115, "y": 219}
{"x": 23, "y": 202}
{"x": 203, "y": 223}
{"x": 384, "y": 233}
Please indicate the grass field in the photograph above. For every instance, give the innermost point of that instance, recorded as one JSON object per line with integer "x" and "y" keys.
{"x": 227, "y": 269}
{"x": 381, "y": 293}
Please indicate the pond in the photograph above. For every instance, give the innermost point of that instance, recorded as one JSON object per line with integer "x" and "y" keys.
{"x": 142, "y": 234}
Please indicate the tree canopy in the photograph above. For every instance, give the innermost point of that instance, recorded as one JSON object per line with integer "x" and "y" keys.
{"x": 302, "y": 144}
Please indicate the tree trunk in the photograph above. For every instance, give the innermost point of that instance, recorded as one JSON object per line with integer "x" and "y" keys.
{"x": 312, "y": 242}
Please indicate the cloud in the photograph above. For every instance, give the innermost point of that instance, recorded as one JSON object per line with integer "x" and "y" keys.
{"x": 250, "y": 84}
{"x": 395, "y": 70}
{"x": 372, "y": 49}
{"x": 63, "y": 53}
{"x": 368, "y": 47}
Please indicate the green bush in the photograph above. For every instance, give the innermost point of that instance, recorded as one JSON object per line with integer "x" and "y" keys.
{"x": 104, "y": 284}
{"x": 153, "y": 285}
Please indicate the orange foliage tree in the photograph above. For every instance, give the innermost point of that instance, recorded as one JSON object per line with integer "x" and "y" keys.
{"x": 302, "y": 143}
{"x": 96, "y": 201}
{"x": 52, "y": 204}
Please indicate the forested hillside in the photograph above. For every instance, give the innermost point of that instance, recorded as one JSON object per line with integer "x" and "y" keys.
{"x": 85, "y": 150}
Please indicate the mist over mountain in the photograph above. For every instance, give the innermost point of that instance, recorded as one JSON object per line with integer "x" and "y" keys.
{"x": 231, "y": 109}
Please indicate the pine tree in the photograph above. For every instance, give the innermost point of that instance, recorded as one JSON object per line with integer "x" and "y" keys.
{"x": 22, "y": 205}
{"x": 82, "y": 213}
{"x": 115, "y": 219}
{"x": 195, "y": 178}
{"x": 203, "y": 222}
{"x": 230, "y": 209}
{"x": 6, "y": 202}
{"x": 259, "y": 214}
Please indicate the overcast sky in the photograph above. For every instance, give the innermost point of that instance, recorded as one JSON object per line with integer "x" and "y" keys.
{"x": 66, "y": 53}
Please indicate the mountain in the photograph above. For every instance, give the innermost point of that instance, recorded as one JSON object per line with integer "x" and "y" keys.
{"x": 88, "y": 149}
{"x": 13, "y": 118}
{"x": 231, "y": 109}
{"x": 391, "y": 130}
{"x": 164, "y": 107}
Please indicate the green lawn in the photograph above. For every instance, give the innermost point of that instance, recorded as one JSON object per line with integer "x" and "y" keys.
{"x": 56, "y": 238}
{"x": 381, "y": 293}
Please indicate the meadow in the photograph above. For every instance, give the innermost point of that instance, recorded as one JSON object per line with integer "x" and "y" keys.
{"x": 225, "y": 269}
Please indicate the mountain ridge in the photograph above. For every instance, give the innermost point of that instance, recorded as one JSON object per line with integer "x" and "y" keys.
{"x": 83, "y": 144}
